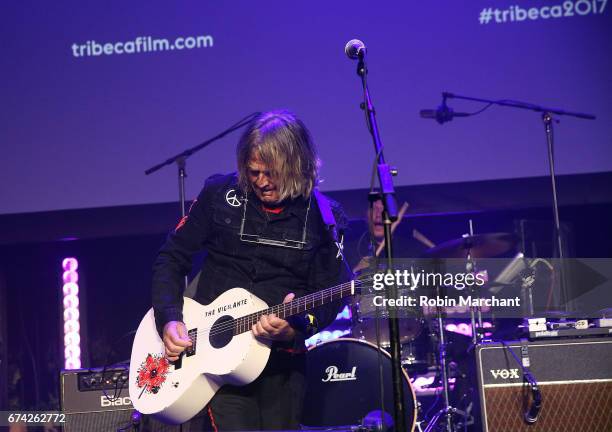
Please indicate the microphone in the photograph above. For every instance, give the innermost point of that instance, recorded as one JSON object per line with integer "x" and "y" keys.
{"x": 531, "y": 414}
{"x": 442, "y": 114}
{"x": 355, "y": 49}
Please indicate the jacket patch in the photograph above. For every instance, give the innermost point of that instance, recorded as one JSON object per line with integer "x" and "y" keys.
{"x": 231, "y": 198}
{"x": 340, "y": 246}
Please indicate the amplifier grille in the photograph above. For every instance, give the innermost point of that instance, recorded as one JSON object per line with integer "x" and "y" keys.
{"x": 102, "y": 421}
{"x": 565, "y": 408}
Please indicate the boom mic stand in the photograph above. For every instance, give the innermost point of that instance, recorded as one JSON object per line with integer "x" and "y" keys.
{"x": 181, "y": 158}
{"x": 547, "y": 120}
{"x": 389, "y": 215}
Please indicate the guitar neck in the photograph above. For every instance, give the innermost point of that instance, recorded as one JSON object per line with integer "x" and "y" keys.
{"x": 298, "y": 305}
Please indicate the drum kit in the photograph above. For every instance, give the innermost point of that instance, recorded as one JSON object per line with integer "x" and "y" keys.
{"x": 349, "y": 379}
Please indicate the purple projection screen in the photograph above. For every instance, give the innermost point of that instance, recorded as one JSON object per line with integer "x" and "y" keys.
{"x": 96, "y": 92}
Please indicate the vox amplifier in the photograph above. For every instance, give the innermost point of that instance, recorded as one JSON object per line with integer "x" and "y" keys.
{"x": 574, "y": 377}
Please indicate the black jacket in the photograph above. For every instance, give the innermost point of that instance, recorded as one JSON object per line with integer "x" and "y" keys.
{"x": 269, "y": 272}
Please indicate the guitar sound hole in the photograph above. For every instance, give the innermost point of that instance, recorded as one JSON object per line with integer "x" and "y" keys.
{"x": 221, "y": 332}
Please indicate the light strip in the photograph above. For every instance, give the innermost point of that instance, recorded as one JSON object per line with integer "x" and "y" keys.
{"x": 72, "y": 326}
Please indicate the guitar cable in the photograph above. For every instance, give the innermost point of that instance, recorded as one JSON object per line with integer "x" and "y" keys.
{"x": 120, "y": 384}
{"x": 533, "y": 410}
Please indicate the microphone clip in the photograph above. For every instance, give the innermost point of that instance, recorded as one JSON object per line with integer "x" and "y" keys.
{"x": 444, "y": 113}
{"x": 362, "y": 69}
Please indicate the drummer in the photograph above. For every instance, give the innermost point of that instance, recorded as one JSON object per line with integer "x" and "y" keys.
{"x": 405, "y": 246}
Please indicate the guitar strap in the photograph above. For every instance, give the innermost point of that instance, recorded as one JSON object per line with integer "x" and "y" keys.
{"x": 326, "y": 213}
{"x": 330, "y": 221}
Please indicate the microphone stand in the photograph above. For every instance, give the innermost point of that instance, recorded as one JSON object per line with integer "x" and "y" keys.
{"x": 181, "y": 160}
{"x": 547, "y": 119}
{"x": 389, "y": 216}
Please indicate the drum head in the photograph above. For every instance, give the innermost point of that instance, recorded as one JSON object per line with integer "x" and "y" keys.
{"x": 343, "y": 384}
{"x": 410, "y": 321}
{"x": 365, "y": 329}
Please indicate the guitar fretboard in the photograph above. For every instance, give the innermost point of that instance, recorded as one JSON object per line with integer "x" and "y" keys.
{"x": 298, "y": 305}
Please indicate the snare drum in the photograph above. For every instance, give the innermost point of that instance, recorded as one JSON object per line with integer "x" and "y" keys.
{"x": 343, "y": 384}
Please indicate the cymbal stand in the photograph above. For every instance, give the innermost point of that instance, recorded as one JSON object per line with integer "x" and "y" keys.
{"x": 475, "y": 311}
{"x": 448, "y": 411}
{"x": 473, "y": 324}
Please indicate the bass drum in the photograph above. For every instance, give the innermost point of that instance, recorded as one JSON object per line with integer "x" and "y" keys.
{"x": 342, "y": 384}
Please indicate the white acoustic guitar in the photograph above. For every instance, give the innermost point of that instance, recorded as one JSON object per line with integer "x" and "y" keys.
{"x": 224, "y": 351}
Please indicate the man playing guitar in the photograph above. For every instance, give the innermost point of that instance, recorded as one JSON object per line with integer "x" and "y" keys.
{"x": 263, "y": 229}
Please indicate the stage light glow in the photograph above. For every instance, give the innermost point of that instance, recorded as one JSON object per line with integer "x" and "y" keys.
{"x": 464, "y": 328}
{"x": 72, "y": 338}
{"x": 70, "y": 264}
{"x": 73, "y": 353}
{"x": 71, "y": 315}
{"x": 70, "y": 276}
{"x": 72, "y": 326}
{"x": 345, "y": 314}
{"x": 72, "y": 364}
{"x": 325, "y": 336}
{"x": 337, "y": 333}
{"x": 70, "y": 288}
{"x": 71, "y": 301}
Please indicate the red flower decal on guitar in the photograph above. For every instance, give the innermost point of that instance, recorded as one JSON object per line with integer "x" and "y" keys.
{"x": 152, "y": 373}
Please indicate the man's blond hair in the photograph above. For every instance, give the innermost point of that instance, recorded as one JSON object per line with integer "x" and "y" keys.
{"x": 285, "y": 146}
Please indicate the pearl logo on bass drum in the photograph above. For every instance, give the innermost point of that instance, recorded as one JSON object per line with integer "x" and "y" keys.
{"x": 333, "y": 375}
{"x": 505, "y": 373}
{"x": 120, "y": 401}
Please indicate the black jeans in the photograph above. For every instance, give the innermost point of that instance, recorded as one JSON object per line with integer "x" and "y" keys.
{"x": 273, "y": 401}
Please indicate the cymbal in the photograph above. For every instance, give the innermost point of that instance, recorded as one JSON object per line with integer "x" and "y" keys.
{"x": 479, "y": 246}
{"x": 605, "y": 313}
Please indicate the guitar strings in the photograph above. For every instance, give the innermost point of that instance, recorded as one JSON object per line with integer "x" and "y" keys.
{"x": 244, "y": 321}
{"x": 302, "y": 301}
{"x": 238, "y": 323}
{"x": 312, "y": 299}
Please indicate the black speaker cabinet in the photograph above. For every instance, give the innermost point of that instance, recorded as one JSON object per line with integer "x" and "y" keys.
{"x": 575, "y": 380}
{"x": 97, "y": 400}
